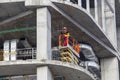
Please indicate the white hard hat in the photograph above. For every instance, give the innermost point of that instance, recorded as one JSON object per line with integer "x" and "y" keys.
{"x": 64, "y": 27}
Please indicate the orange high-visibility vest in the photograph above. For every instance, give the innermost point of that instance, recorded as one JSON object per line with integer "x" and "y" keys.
{"x": 66, "y": 39}
{"x": 77, "y": 48}
{"x": 63, "y": 39}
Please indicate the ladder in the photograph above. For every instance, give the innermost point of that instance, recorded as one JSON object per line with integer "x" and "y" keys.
{"x": 67, "y": 55}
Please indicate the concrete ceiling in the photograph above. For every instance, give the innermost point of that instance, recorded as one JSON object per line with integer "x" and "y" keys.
{"x": 8, "y": 10}
{"x": 24, "y": 22}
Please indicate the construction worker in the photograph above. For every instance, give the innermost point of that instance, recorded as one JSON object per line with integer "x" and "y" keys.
{"x": 77, "y": 48}
{"x": 64, "y": 37}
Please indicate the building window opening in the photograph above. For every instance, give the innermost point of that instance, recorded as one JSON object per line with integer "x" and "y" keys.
{"x": 92, "y": 5}
{"x": 74, "y": 1}
{"x": 92, "y": 8}
{"x": 83, "y": 3}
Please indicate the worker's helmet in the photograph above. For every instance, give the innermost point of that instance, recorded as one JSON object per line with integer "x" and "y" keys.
{"x": 65, "y": 28}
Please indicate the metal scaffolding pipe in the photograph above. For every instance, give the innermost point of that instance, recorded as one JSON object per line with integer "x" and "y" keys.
{"x": 17, "y": 30}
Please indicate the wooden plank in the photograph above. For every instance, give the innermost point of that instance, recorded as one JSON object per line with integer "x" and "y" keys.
{"x": 66, "y": 52}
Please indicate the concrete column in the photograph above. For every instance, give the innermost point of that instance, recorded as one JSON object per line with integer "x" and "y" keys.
{"x": 103, "y": 15}
{"x": 80, "y": 3}
{"x": 43, "y": 33}
{"x": 96, "y": 10}
{"x": 88, "y": 5}
{"x": 110, "y": 21}
{"x": 44, "y": 73}
{"x": 109, "y": 69}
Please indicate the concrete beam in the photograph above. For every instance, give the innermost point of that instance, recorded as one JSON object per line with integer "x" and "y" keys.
{"x": 110, "y": 69}
{"x": 43, "y": 33}
{"x": 32, "y": 3}
{"x": 16, "y": 17}
{"x": 9, "y": 1}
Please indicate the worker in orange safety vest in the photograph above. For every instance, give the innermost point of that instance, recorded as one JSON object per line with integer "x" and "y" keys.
{"x": 77, "y": 49}
{"x": 64, "y": 37}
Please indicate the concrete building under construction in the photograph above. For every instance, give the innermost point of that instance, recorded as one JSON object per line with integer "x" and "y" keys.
{"x": 30, "y": 45}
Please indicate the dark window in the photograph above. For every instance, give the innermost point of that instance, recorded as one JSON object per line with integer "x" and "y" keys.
{"x": 92, "y": 5}
{"x": 84, "y": 3}
{"x": 74, "y": 1}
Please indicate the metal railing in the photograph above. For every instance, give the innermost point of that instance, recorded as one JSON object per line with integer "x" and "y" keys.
{"x": 26, "y": 53}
